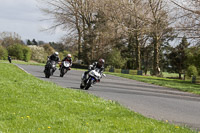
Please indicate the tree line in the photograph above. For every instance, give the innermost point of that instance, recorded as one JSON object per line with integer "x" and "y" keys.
{"x": 12, "y": 45}
{"x": 130, "y": 34}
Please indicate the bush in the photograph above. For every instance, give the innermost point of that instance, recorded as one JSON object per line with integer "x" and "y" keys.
{"x": 16, "y": 51}
{"x": 38, "y": 53}
{"x": 115, "y": 59}
{"x": 3, "y": 53}
{"x": 192, "y": 70}
{"x": 20, "y": 52}
{"x": 27, "y": 53}
{"x": 48, "y": 49}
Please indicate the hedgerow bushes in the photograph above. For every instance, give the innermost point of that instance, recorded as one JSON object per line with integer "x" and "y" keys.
{"x": 3, "y": 53}
{"x": 20, "y": 52}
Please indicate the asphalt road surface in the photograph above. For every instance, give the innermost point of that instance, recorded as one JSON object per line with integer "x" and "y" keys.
{"x": 149, "y": 100}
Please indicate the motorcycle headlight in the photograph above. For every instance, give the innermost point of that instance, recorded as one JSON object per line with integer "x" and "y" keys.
{"x": 54, "y": 65}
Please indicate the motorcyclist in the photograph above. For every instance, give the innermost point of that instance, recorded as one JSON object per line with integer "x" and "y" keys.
{"x": 99, "y": 65}
{"x": 9, "y": 59}
{"x": 55, "y": 57}
{"x": 69, "y": 59}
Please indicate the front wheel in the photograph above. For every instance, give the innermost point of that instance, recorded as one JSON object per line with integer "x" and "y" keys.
{"x": 47, "y": 74}
{"x": 88, "y": 85}
{"x": 61, "y": 73}
{"x": 82, "y": 86}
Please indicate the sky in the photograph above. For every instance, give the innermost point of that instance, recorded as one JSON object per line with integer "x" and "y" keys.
{"x": 25, "y": 18}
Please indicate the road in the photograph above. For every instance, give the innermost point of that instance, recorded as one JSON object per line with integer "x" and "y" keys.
{"x": 149, "y": 100}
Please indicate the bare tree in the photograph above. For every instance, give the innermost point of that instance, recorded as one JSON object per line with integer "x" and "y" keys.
{"x": 159, "y": 28}
{"x": 9, "y": 38}
{"x": 189, "y": 19}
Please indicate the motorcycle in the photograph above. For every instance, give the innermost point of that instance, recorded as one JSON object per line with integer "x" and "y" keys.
{"x": 93, "y": 77}
{"x": 65, "y": 66}
{"x": 50, "y": 68}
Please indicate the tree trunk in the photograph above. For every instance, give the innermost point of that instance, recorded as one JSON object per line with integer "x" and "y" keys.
{"x": 179, "y": 75}
{"x": 138, "y": 61}
{"x": 79, "y": 38}
{"x": 156, "y": 69}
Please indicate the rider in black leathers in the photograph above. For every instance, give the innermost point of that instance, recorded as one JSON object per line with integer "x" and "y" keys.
{"x": 99, "y": 65}
{"x": 53, "y": 57}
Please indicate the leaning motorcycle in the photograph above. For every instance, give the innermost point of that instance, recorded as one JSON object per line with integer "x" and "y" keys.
{"x": 50, "y": 68}
{"x": 65, "y": 66}
{"x": 93, "y": 77}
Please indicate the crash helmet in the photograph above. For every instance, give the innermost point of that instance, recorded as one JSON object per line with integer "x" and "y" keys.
{"x": 56, "y": 53}
{"x": 69, "y": 55}
{"x": 101, "y": 62}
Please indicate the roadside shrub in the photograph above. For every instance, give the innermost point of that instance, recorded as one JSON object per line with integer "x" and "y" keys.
{"x": 27, "y": 53}
{"x": 48, "y": 49}
{"x": 192, "y": 70}
{"x": 3, "y": 53}
{"x": 115, "y": 59}
{"x": 16, "y": 51}
{"x": 38, "y": 53}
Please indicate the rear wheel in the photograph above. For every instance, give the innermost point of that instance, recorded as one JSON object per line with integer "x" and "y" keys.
{"x": 61, "y": 72}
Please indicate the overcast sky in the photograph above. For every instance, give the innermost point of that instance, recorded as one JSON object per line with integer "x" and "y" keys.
{"x": 24, "y": 18}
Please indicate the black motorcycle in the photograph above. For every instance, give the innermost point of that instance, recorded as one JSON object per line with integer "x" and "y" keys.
{"x": 50, "y": 68}
{"x": 65, "y": 66}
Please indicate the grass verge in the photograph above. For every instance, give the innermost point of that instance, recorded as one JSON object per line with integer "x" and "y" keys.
{"x": 23, "y": 62}
{"x": 32, "y": 105}
{"x": 183, "y": 85}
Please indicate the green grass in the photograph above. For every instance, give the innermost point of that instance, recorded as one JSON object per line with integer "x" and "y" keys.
{"x": 23, "y": 62}
{"x": 183, "y": 85}
{"x": 28, "y": 104}
{"x": 166, "y": 74}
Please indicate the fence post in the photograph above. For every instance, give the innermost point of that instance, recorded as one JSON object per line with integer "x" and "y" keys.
{"x": 193, "y": 79}
{"x": 139, "y": 72}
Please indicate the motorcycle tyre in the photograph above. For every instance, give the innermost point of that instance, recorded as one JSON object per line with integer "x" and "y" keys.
{"x": 51, "y": 72}
{"x": 81, "y": 86}
{"x": 47, "y": 75}
{"x": 88, "y": 85}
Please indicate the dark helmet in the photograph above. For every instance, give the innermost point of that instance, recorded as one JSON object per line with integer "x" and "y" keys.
{"x": 101, "y": 62}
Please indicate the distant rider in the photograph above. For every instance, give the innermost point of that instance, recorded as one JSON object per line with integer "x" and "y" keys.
{"x": 9, "y": 59}
{"x": 99, "y": 65}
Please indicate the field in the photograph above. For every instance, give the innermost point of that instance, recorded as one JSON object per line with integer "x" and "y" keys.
{"x": 32, "y": 105}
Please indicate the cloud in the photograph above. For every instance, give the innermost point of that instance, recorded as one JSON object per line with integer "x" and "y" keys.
{"x": 24, "y": 18}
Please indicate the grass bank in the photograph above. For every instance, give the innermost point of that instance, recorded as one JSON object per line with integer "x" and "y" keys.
{"x": 23, "y": 62}
{"x": 183, "y": 85}
{"x": 32, "y": 105}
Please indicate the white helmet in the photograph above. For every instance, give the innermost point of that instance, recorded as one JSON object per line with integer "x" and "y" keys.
{"x": 56, "y": 53}
{"x": 69, "y": 55}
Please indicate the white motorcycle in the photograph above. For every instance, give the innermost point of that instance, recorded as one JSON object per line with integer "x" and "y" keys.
{"x": 93, "y": 77}
{"x": 65, "y": 66}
